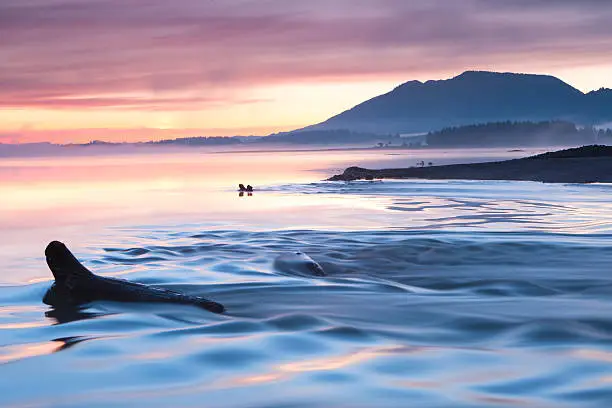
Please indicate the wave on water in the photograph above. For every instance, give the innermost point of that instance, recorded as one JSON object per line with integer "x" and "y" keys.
{"x": 455, "y": 314}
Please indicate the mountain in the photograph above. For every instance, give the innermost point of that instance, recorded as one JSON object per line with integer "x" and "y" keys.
{"x": 470, "y": 98}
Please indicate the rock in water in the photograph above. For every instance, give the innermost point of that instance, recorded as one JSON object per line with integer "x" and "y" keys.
{"x": 75, "y": 285}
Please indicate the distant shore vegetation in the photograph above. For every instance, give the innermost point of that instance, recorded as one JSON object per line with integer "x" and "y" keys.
{"x": 492, "y": 134}
{"x": 508, "y": 133}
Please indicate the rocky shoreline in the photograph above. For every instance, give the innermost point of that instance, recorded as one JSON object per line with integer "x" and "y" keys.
{"x": 587, "y": 164}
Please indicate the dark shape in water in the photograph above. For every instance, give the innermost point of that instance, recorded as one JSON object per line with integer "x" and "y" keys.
{"x": 67, "y": 342}
{"x": 298, "y": 264}
{"x": 69, "y": 314}
{"x": 75, "y": 285}
{"x": 249, "y": 188}
{"x": 241, "y": 187}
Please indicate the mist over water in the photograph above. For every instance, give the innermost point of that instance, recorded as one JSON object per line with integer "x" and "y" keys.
{"x": 437, "y": 294}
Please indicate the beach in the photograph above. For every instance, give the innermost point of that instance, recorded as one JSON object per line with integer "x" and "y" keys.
{"x": 588, "y": 164}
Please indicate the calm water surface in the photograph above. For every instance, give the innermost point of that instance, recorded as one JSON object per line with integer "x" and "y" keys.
{"x": 439, "y": 294}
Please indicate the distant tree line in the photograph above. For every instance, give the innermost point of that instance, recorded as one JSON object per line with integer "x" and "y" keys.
{"x": 200, "y": 141}
{"x": 493, "y": 134}
{"x": 511, "y": 134}
{"x": 340, "y": 136}
{"x": 320, "y": 137}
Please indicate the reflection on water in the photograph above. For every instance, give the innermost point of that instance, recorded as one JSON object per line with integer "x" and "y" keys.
{"x": 17, "y": 352}
{"x": 69, "y": 314}
{"x": 285, "y": 371}
{"x": 457, "y": 293}
{"x": 98, "y": 190}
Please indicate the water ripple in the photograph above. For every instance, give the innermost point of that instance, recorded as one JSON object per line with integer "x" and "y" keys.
{"x": 468, "y": 294}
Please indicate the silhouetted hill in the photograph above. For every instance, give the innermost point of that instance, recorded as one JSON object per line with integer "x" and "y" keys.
{"x": 470, "y": 98}
{"x": 587, "y": 164}
{"x": 599, "y": 103}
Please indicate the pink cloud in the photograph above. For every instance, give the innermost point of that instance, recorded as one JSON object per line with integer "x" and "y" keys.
{"x": 69, "y": 102}
{"x": 63, "y": 54}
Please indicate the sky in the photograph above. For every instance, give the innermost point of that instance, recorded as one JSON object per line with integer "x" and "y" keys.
{"x": 133, "y": 70}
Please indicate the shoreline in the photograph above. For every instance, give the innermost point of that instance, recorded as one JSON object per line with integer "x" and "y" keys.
{"x": 586, "y": 164}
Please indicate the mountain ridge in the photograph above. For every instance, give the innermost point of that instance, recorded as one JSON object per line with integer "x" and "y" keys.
{"x": 473, "y": 97}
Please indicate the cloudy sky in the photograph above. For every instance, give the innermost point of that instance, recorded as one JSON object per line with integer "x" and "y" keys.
{"x": 76, "y": 70}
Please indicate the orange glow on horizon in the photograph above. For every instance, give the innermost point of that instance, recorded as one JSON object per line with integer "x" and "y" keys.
{"x": 270, "y": 109}
{"x": 275, "y": 109}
